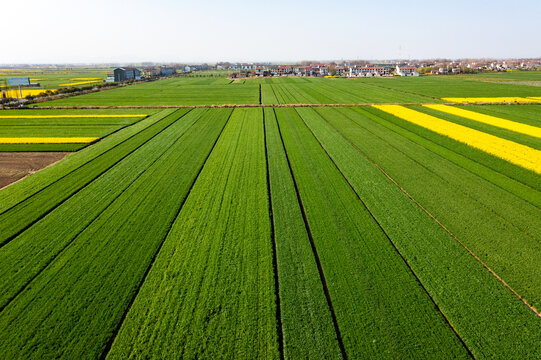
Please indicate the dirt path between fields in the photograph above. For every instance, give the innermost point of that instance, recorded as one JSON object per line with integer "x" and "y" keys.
{"x": 267, "y": 105}
{"x": 16, "y": 165}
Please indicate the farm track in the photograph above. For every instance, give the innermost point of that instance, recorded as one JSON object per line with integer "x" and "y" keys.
{"x": 314, "y": 251}
{"x": 390, "y": 240}
{"x": 279, "y": 327}
{"x": 270, "y": 105}
{"x": 492, "y": 272}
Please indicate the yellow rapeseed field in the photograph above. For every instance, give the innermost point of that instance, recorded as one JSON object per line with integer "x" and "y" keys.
{"x": 511, "y": 151}
{"x": 85, "y": 79}
{"x": 69, "y": 116}
{"x": 14, "y": 93}
{"x": 80, "y": 83}
{"x": 474, "y": 100}
{"x": 535, "y": 98}
{"x": 48, "y": 140}
{"x": 490, "y": 120}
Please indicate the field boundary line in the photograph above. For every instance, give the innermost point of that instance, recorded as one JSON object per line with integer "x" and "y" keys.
{"x": 5, "y": 242}
{"x": 89, "y": 224}
{"x": 492, "y": 272}
{"x": 444, "y": 180}
{"x": 78, "y": 167}
{"x": 219, "y": 106}
{"x": 84, "y": 228}
{"x": 390, "y": 241}
{"x": 279, "y": 329}
{"x": 462, "y": 156}
{"x": 109, "y": 345}
{"x": 314, "y": 249}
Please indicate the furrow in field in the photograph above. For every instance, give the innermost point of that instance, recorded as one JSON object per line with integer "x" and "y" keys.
{"x": 72, "y": 308}
{"x": 506, "y": 214}
{"x": 496, "y": 171}
{"x": 267, "y": 121}
{"x": 515, "y": 153}
{"x": 210, "y": 292}
{"x": 308, "y": 324}
{"x": 499, "y": 132}
{"x": 372, "y": 290}
{"x": 21, "y": 216}
{"x": 490, "y": 319}
{"x": 25, "y": 256}
{"x": 500, "y": 228}
{"x": 489, "y": 120}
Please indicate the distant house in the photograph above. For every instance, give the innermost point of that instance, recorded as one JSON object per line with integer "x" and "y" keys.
{"x": 284, "y": 70}
{"x": 125, "y": 74}
{"x": 164, "y": 71}
{"x": 110, "y": 78}
{"x": 150, "y": 72}
{"x": 340, "y": 71}
{"x": 324, "y": 70}
{"x": 367, "y": 71}
{"x": 406, "y": 70}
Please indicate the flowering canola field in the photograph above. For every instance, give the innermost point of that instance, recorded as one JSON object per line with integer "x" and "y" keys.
{"x": 48, "y": 140}
{"x": 488, "y": 119}
{"x": 501, "y": 99}
{"x": 515, "y": 153}
{"x": 81, "y": 83}
{"x": 70, "y": 116}
{"x": 14, "y": 93}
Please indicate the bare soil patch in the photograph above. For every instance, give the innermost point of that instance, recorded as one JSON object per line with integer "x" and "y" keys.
{"x": 17, "y": 165}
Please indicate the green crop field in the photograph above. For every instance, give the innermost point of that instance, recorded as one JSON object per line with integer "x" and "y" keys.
{"x": 58, "y": 78}
{"x": 276, "y": 218}
{"x": 40, "y": 126}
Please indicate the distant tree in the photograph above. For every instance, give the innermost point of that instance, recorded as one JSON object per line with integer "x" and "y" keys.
{"x": 332, "y": 69}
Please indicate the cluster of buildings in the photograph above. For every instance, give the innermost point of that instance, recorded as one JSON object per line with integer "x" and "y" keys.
{"x": 344, "y": 70}
{"x": 131, "y": 73}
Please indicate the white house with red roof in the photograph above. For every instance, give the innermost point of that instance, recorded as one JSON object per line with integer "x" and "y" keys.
{"x": 406, "y": 70}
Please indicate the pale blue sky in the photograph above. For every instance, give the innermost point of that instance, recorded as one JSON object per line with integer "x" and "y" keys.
{"x": 60, "y": 31}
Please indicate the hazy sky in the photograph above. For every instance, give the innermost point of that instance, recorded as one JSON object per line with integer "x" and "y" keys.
{"x": 61, "y": 31}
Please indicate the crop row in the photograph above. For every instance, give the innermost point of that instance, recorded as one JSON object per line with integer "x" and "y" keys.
{"x": 72, "y": 306}
{"x": 29, "y": 186}
{"x": 271, "y": 233}
{"x": 498, "y": 226}
{"x": 488, "y": 317}
{"x": 210, "y": 293}
{"x": 372, "y": 290}
{"x": 26, "y": 212}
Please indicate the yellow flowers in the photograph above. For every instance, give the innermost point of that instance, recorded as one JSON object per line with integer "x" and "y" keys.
{"x": 490, "y": 120}
{"x": 48, "y": 140}
{"x": 14, "y": 93}
{"x": 508, "y": 150}
{"x": 69, "y": 116}
{"x": 500, "y": 99}
{"x": 85, "y": 79}
{"x": 81, "y": 83}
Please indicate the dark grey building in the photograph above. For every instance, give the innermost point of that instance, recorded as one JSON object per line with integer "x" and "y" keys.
{"x": 167, "y": 71}
{"x": 124, "y": 74}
